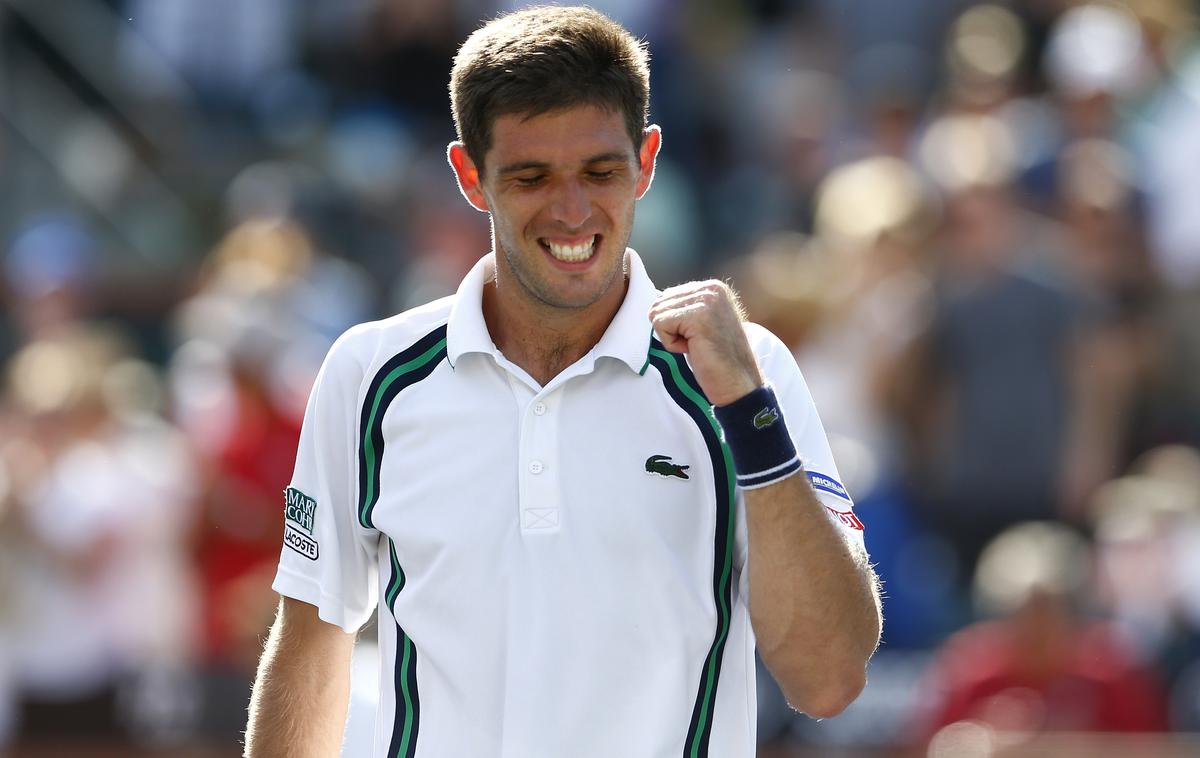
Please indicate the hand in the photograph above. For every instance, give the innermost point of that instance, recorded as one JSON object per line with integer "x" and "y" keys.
{"x": 704, "y": 320}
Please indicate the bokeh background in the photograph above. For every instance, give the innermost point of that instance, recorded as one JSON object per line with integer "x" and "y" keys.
{"x": 978, "y": 226}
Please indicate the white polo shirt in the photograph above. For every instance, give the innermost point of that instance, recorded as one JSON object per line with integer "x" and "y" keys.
{"x": 558, "y": 571}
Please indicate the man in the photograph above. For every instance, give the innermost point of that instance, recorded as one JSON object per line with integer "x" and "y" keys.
{"x": 532, "y": 479}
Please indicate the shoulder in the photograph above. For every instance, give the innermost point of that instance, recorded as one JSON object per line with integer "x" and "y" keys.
{"x": 776, "y": 361}
{"x": 372, "y": 343}
{"x": 764, "y": 343}
{"x": 395, "y": 333}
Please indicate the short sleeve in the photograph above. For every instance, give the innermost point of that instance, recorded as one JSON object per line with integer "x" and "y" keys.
{"x": 804, "y": 425}
{"x": 328, "y": 559}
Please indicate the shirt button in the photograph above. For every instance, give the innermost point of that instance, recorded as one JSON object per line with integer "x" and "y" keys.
{"x": 536, "y": 467}
{"x": 539, "y": 409}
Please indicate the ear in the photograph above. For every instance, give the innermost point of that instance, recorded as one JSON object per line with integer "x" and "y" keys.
{"x": 467, "y": 175}
{"x": 651, "y": 142}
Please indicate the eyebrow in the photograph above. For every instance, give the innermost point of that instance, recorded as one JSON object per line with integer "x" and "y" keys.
{"x": 613, "y": 157}
{"x": 513, "y": 168}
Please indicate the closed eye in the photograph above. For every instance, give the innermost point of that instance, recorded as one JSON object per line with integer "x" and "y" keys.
{"x": 529, "y": 181}
{"x": 602, "y": 176}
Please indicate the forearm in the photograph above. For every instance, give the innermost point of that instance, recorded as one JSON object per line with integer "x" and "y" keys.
{"x": 814, "y": 601}
{"x": 300, "y": 696}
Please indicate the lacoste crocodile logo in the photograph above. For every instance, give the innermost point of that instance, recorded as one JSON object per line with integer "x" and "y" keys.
{"x": 662, "y": 465}
{"x": 765, "y": 418}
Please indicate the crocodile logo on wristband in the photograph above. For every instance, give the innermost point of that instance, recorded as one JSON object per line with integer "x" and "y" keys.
{"x": 765, "y": 418}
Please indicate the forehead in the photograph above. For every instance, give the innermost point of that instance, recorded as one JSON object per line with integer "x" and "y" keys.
{"x": 561, "y": 137}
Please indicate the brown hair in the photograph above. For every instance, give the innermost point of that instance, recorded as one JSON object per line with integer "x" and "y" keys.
{"x": 544, "y": 59}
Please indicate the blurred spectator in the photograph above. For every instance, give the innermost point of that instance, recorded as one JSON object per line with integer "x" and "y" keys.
{"x": 1094, "y": 64}
{"x": 1147, "y": 528}
{"x": 50, "y": 270}
{"x": 989, "y": 396}
{"x": 1039, "y": 665}
{"x": 1097, "y": 201}
{"x": 103, "y": 601}
{"x": 1166, "y": 140}
{"x": 875, "y": 220}
{"x": 986, "y": 50}
{"x": 252, "y": 339}
{"x": 1095, "y": 59}
{"x": 1122, "y": 352}
{"x": 849, "y": 301}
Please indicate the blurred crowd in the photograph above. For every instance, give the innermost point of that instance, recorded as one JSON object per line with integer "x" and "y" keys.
{"x": 977, "y": 225}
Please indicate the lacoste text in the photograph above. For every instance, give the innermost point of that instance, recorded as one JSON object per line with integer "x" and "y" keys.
{"x": 301, "y": 543}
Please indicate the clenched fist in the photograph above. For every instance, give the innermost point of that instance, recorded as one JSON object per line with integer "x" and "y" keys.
{"x": 704, "y": 320}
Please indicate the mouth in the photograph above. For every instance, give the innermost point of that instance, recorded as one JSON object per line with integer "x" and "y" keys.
{"x": 571, "y": 251}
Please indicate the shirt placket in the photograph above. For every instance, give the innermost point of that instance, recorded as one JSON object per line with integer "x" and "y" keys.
{"x": 540, "y": 506}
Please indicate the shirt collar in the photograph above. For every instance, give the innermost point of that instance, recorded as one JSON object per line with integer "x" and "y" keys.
{"x": 627, "y": 338}
{"x": 628, "y": 335}
{"x": 467, "y": 332}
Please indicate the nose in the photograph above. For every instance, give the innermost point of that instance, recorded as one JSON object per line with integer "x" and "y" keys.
{"x": 572, "y": 205}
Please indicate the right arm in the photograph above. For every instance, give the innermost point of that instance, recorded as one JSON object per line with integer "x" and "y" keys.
{"x": 298, "y": 706}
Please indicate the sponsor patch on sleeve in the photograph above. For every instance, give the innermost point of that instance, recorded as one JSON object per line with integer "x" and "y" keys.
{"x": 846, "y": 518}
{"x": 299, "y": 509}
{"x": 299, "y": 512}
{"x": 828, "y": 484}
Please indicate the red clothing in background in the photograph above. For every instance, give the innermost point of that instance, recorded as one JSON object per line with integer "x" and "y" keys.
{"x": 1085, "y": 680}
{"x": 244, "y": 516}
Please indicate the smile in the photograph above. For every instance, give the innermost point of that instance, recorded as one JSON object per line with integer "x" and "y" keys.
{"x": 576, "y": 253}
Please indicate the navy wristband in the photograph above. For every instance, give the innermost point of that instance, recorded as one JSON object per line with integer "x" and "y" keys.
{"x": 758, "y": 439}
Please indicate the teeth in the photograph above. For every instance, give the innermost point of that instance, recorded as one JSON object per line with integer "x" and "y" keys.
{"x": 573, "y": 253}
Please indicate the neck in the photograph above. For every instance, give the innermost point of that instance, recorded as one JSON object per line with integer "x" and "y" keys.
{"x": 543, "y": 339}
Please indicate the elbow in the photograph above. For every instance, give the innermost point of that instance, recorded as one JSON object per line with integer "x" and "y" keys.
{"x": 822, "y": 667}
{"x": 820, "y": 681}
{"x": 827, "y": 698}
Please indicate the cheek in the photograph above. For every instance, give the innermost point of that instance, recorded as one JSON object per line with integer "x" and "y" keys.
{"x": 519, "y": 212}
{"x": 617, "y": 205}
{"x": 622, "y": 212}
{"x": 507, "y": 217}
